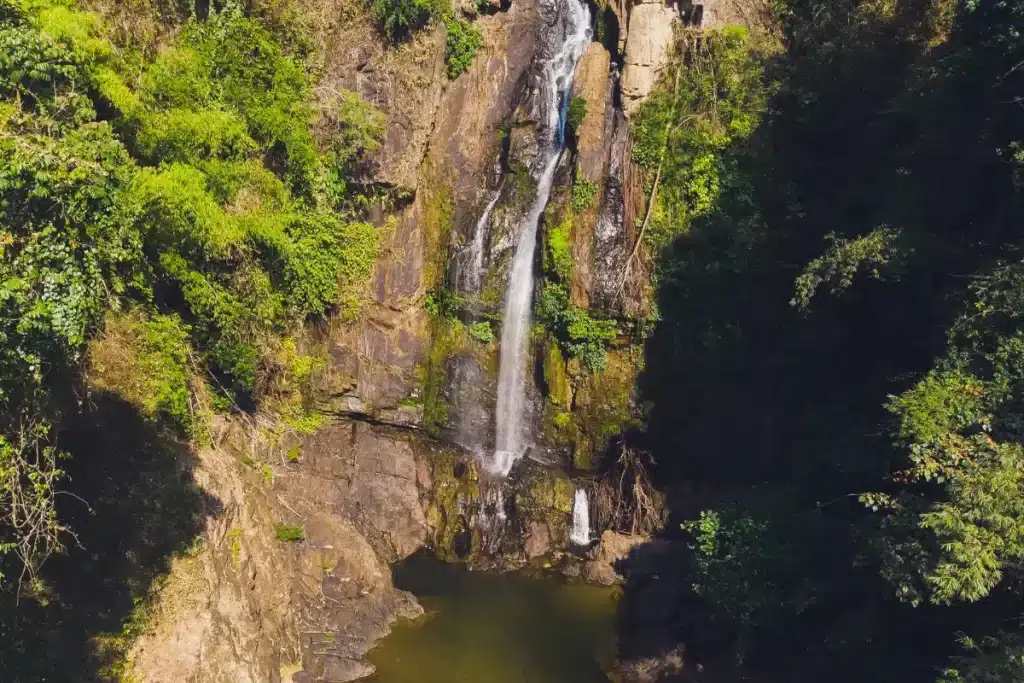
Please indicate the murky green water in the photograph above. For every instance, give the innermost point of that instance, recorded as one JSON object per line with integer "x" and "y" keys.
{"x": 497, "y": 628}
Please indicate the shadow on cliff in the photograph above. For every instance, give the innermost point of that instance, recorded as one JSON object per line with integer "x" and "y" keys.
{"x": 766, "y": 414}
{"x": 130, "y": 499}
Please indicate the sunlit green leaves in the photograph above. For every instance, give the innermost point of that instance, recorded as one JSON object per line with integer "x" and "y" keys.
{"x": 721, "y": 98}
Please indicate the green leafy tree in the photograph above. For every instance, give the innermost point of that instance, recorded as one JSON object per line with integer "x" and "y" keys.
{"x": 190, "y": 186}
{"x": 397, "y": 19}
{"x": 462, "y": 42}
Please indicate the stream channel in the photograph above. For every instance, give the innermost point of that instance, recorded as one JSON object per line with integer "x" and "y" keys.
{"x": 482, "y": 627}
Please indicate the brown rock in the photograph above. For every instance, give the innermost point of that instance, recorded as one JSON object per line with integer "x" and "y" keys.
{"x": 651, "y": 32}
{"x": 372, "y": 481}
{"x": 405, "y": 84}
{"x": 523, "y": 145}
{"x": 593, "y": 84}
{"x": 664, "y": 667}
{"x": 537, "y": 541}
{"x": 247, "y": 607}
{"x": 614, "y": 547}
{"x": 719, "y": 13}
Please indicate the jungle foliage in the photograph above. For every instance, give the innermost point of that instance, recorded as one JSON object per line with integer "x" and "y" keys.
{"x": 839, "y": 360}
{"x": 398, "y": 20}
{"x": 173, "y": 203}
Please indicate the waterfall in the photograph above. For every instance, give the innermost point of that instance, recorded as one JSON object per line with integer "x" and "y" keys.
{"x": 556, "y": 85}
{"x": 580, "y": 531}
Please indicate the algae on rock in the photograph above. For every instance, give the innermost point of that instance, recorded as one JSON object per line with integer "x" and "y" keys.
{"x": 451, "y": 503}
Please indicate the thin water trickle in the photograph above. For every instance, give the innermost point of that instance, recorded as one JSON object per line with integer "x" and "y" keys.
{"x": 579, "y": 533}
{"x": 474, "y": 276}
{"x": 556, "y": 86}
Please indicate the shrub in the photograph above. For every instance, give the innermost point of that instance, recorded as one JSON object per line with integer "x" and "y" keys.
{"x": 481, "y": 331}
{"x": 461, "y": 45}
{"x": 583, "y": 193}
{"x": 288, "y": 532}
{"x": 578, "y": 334}
{"x": 146, "y": 361}
{"x": 397, "y": 19}
{"x": 577, "y": 112}
{"x": 354, "y": 128}
{"x": 189, "y": 185}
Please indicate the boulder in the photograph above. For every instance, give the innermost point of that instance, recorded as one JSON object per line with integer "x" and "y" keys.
{"x": 537, "y": 541}
{"x": 613, "y": 549}
{"x": 373, "y": 482}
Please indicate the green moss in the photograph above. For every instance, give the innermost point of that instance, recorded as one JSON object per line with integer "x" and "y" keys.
{"x": 448, "y": 337}
{"x": 235, "y": 537}
{"x": 289, "y": 533}
{"x": 491, "y": 293}
{"x": 438, "y": 218}
{"x": 449, "y": 495}
{"x": 558, "y": 249}
{"x": 583, "y": 457}
{"x": 545, "y": 495}
{"x": 559, "y": 390}
{"x": 525, "y": 187}
{"x": 577, "y": 112}
{"x": 603, "y": 407}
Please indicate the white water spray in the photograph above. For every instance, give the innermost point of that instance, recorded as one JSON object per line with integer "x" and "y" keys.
{"x": 556, "y": 85}
{"x": 580, "y": 531}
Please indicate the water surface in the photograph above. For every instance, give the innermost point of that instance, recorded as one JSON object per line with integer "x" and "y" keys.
{"x": 497, "y": 628}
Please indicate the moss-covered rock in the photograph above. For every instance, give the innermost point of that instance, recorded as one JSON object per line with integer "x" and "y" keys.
{"x": 586, "y": 410}
{"x": 544, "y": 493}
{"x": 555, "y": 376}
{"x": 438, "y": 220}
{"x": 604, "y": 405}
{"x": 451, "y": 503}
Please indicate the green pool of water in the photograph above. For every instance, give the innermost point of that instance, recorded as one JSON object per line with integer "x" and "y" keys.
{"x": 497, "y": 628}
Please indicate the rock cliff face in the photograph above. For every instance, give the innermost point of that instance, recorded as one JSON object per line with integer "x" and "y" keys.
{"x": 249, "y": 605}
{"x": 410, "y": 392}
{"x": 442, "y": 144}
{"x": 651, "y": 27}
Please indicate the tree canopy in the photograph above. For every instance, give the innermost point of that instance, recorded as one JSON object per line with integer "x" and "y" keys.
{"x": 838, "y": 358}
{"x": 181, "y": 186}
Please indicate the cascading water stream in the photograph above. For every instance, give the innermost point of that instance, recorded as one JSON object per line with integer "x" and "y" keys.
{"x": 579, "y": 533}
{"x": 557, "y": 76}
